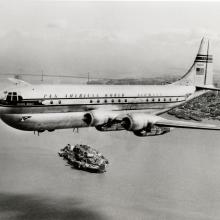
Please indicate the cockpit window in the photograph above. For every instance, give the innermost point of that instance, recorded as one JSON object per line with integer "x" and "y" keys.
{"x": 8, "y": 98}
{"x": 13, "y": 97}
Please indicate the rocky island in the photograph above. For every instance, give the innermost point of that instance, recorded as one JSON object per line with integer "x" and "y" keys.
{"x": 206, "y": 106}
{"x": 84, "y": 157}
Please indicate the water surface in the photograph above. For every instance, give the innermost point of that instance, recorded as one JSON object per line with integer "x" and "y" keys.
{"x": 174, "y": 176}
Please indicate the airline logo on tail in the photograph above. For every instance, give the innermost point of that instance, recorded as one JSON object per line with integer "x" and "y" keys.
{"x": 201, "y": 63}
{"x": 201, "y": 72}
{"x": 204, "y": 58}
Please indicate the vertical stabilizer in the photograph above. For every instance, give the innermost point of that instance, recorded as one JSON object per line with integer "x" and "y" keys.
{"x": 201, "y": 72}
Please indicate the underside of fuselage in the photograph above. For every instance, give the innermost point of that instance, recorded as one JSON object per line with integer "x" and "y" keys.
{"x": 41, "y": 122}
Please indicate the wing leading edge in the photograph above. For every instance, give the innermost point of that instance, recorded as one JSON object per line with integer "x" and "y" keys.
{"x": 182, "y": 124}
{"x": 139, "y": 121}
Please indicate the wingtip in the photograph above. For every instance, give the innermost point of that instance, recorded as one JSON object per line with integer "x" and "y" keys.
{"x": 18, "y": 81}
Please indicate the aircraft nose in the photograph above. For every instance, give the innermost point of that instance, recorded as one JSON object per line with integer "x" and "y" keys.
{"x": 2, "y": 110}
{"x": 1, "y": 99}
{"x": 2, "y": 95}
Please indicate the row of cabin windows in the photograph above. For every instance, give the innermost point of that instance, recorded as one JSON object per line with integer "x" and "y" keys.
{"x": 113, "y": 100}
{"x": 125, "y": 100}
{"x": 147, "y": 100}
{"x": 163, "y": 99}
{"x": 91, "y": 101}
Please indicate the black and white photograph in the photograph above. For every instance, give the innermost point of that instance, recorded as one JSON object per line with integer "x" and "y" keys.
{"x": 110, "y": 110}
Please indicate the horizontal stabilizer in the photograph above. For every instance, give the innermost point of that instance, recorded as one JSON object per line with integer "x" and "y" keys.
{"x": 207, "y": 88}
{"x": 183, "y": 124}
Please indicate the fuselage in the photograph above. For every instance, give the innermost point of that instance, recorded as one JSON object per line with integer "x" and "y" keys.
{"x": 49, "y": 107}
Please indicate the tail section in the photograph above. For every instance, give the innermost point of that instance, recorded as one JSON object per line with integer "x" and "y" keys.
{"x": 201, "y": 72}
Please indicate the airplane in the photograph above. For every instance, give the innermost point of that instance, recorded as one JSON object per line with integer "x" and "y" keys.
{"x": 135, "y": 108}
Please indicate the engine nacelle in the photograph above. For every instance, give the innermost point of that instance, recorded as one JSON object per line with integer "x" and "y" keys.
{"x": 143, "y": 124}
{"x": 152, "y": 131}
{"x": 136, "y": 121}
{"x": 139, "y": 121}
{"x": 114, "y": 127}
{"x": 97, "y": 118}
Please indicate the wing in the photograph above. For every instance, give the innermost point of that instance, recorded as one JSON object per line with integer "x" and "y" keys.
{"x": 182, "y": 124}
{"x": 18, "y": 82}
{"x": 212, "y": 88}
{"x": 109, "y": 121}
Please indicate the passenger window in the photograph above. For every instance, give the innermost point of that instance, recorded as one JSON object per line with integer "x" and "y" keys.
{"x": 112, "y": 100}
{"x": 51, "y": 102}
{"x": 98, "y": 101}
{"x": 170, "y": 100}
{"x": 90, "y": 101}
{"x": 59, "y": 101}
{"x": 126, "y": 100}
{"x": 105, "y": 101}
{"x": 146, "y": 100}
{"x": 119, "y": 100}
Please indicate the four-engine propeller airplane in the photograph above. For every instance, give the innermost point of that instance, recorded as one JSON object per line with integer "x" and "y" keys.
{"x": 136, "y": 108}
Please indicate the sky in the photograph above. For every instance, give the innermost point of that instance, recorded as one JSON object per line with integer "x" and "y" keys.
{"x": 106, "y": 39}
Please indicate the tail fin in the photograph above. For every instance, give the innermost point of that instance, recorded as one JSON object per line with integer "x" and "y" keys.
{"x": 201, "y": 72}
